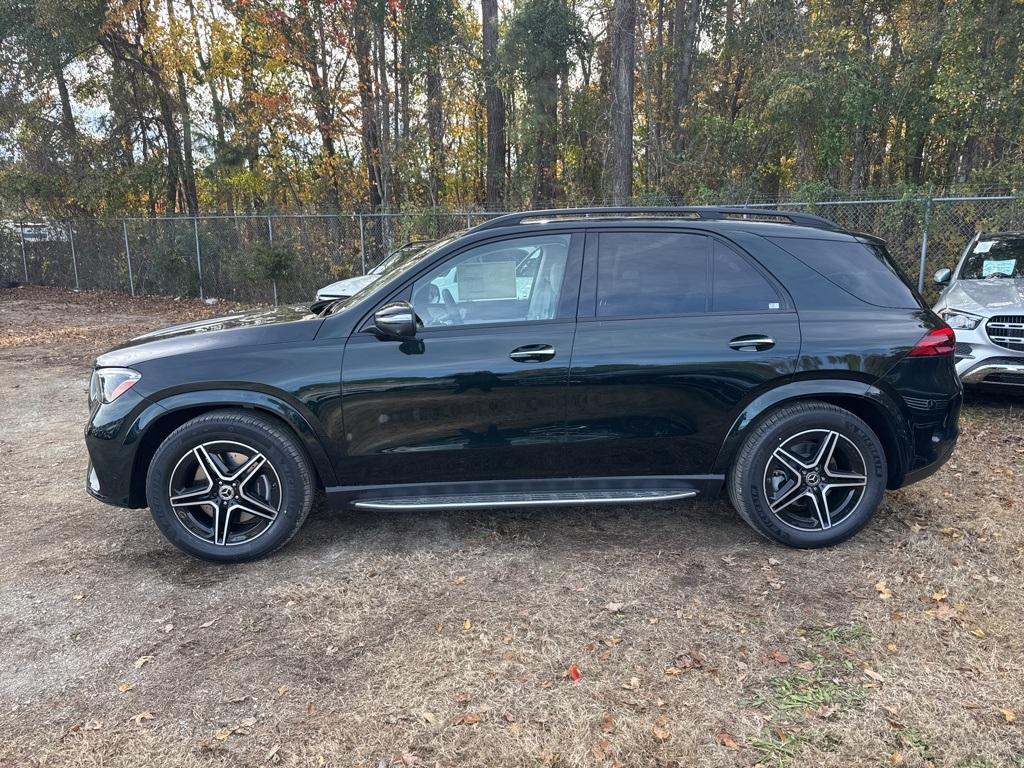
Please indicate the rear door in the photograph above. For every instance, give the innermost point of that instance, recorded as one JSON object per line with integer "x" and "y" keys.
{"x": 676, "y": 329}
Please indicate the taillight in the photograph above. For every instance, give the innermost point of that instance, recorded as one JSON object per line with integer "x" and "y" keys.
{"x": 939, "y": 341}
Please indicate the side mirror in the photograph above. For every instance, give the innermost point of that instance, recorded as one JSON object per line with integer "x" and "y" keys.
{"x": 396, "y": 319}
{"x": 942, "y": 277}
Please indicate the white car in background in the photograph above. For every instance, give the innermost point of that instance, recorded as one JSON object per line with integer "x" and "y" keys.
{"x": 983, "y": 302}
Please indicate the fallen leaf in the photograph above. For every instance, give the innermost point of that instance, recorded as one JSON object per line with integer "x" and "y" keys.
{"x": 978, "y": 632}
{"x": 272, "y": 752}
{"x": 125, "y": 687}
{"x": 92, "y": 725}
{"x": 872, "y": 674}
{"x": 208, "y": 624}
{"x": 608, "y": 723}
{"x": 632, "y": 685}
{"x": 468, "y": 718}
{"x": 600, "y": 750}
{"x": 806, "y": 666}
{"x": 891, "y": 648}
{"x": 168, "y": 627}
{"x": 1009, "y": 714}
{"x": 778, "y": 657}
{"x": 428, "y": 716}
{"x": 408, "y": 759}
{"x": 467, "y": 625}
{"x": 883, "y": 590}
{"x": 573, "y": 673}
{"x": 549, "y": 757}
{"x": 939, "y": 596}
{"x": 896, "y": 758}
{"x": 142, "y": 717}
{"x": 659, "y": 730}
{"x": 727, "y": 740}
{"x": 614, "y": 607}
{"x": 143, "y": 661}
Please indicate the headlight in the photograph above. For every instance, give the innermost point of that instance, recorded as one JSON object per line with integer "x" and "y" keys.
{"x": 108, "y": 384}
{"x": 960, "y": 321}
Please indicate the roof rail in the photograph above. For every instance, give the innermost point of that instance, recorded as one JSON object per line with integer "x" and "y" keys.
{"x": 693, "y": 212}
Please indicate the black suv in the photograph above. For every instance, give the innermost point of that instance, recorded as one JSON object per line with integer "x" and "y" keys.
{"x": 593, "y": 356}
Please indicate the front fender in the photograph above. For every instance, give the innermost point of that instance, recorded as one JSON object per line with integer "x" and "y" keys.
{"x": 294, "y": 415}
{"x": 900, "y": 440}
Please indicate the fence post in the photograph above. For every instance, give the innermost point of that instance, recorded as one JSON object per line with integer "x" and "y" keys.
{"x": 199, "y": 257}
{"x": 924, "y": 245}
{"x": 128, "y": 255}
{"x": 24, "y": 259}
{"x": 74, "y": 258}
{"x": 362, "y": 243}
{"x": 270, "y": 236}
{"x": 469, "y": 220}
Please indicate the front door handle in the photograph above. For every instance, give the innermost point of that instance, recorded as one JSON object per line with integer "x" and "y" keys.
{"x": 532, "y": 353}
{"x": 754, "y": 342}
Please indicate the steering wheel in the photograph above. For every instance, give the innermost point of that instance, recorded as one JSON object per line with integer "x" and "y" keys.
{"x": 451, "y": 307}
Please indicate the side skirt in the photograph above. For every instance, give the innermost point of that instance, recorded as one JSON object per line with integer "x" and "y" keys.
{"x": 525, "y": 493}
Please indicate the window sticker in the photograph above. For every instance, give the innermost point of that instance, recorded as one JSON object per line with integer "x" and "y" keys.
{"x": 1001, "y": 267}
{"x": 490, "y": 280}
{"x": 984, "y": 246}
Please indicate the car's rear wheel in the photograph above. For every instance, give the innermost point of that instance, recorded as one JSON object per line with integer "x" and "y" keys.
{"x": 230, "y": 486}
{"x": 809, "y": 475}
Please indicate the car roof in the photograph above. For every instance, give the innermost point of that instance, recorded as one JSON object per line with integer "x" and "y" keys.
{"x": 761, "y": 221}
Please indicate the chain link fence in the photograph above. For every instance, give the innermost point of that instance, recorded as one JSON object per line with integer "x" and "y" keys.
{"x": 286, "y": 258}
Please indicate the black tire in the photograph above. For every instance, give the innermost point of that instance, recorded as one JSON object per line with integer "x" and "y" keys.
{"x": 236, "y": 440}
{"x": 781, "y": 451}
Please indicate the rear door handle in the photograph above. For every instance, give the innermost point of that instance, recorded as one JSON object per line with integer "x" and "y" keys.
{"x": 753, "y": 342}
{"x": 532, "y": 353}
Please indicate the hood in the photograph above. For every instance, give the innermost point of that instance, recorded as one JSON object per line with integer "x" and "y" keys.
{"x": 265, "y": 326}
{"x": 993, "y": 296}
{"x": 344, "y": 288}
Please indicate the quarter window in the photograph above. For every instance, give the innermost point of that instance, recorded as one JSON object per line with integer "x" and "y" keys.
{"x": 651, "y": 273}
{"x": 738, "y": 286}
{"x": 500, "y": 282}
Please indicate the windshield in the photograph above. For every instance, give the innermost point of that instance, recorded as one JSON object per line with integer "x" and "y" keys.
{"x": 405, "y": 263}
{"x": 995, "y": 258}
{"x": 398, "y": 257}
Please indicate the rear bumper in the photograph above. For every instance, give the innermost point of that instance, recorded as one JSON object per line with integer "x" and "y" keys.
{"x": 935, "y": 432}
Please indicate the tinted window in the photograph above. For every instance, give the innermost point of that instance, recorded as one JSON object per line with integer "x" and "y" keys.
{"x": 864, "y": 270}
{"x": 651, "y": 273}
{"x": 501, "y": 282}
{"x": 738, "y": 286}
{"x": 994, "y": 258}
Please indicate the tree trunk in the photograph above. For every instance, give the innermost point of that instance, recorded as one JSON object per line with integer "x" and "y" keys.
{"x": 623, "y": 44}
{"x": 435, "y": 127}
{"x": 495, "y": 100}
{"x": 687, "y": 19}
{"x": 368, "y": 118}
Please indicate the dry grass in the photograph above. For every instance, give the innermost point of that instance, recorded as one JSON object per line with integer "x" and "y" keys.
{"x": 446, "y": 638}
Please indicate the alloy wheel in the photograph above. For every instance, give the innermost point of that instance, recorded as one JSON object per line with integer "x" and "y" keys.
{"x": 815, "y": 479}
{"x": 224, "y": 492}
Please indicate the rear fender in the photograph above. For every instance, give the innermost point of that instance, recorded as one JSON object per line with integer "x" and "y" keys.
{"x": 873, "y": 404}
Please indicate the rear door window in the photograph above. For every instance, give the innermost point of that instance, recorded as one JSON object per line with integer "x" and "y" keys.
{"x": 650, "y": 274}
{"x": 862, "y": 269}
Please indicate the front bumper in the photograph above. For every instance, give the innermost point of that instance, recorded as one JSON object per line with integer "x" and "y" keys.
{"x": 112, "y": 445}
{"x": 982, "y": 363}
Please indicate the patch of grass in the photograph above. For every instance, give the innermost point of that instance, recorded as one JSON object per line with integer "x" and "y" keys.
{"x": 779, "y": 747}
{"x": 845, "y": 634}
{"x": 913, "y": 738}
{"x": 807, "y": 692}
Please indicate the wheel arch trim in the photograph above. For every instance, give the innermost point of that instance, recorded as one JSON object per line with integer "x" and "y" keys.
{"x": 187, "y": 405}
{"x": 884, "y": 414}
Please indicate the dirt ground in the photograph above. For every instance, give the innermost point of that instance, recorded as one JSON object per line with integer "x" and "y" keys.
{"x": 454, "y": 639}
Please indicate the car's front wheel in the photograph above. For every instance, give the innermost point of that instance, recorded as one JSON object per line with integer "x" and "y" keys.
{"x": 810, "y": 474}
{"x": 230, "y": 486}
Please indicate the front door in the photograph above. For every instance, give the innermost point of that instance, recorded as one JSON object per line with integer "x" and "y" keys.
{"x": 676, "y": 330}
{"x": 480, "y": 392}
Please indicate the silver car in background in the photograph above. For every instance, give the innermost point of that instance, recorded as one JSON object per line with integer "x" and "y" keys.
{"x": 342, "y": 289}
{"x": 983, "y": 301}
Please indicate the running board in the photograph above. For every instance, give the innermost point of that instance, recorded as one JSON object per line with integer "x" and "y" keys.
{"x": 542, "y": 499}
